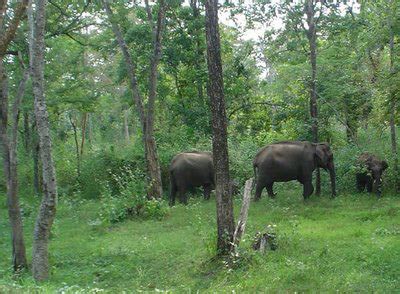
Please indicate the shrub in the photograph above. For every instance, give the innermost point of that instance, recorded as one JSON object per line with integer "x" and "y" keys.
{"x": 110, "y": 167}
{"x": 131, "y": 202}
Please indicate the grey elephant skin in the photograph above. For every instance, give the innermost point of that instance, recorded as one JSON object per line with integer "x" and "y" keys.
{"x": 189, "y": 170}
{"x": 370, "y": 176}
{"x": 292, "y": 160}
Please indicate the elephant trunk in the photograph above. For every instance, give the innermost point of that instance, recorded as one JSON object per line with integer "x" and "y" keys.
{"x": 332, "y": 174}
{"x": 376, "y": 186}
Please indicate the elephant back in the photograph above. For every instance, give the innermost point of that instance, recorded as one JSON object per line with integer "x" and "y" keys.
{"x": 192, "y": 159}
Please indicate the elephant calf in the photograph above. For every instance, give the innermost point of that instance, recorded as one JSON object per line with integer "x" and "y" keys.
{"x": 370, "y": 176}
{"x": 189, "y": 170}
{"x": 292, "y": 160}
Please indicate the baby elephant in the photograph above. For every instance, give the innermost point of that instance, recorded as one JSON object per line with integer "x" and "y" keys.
{"x": 189, "y": 170}
{"x": 371, "y": 174}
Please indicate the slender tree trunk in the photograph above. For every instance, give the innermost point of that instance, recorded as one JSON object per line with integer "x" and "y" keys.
{"x": 199, "y": 52}
{"x": 77, "y": 153}
{"x": 152, "y": 157}
{"x": 126, "y": 126}
{"x": 9, "y": 148}
{"x": 27, "y": 131}
{"x": 47, "y": 211}
{"x": 146, "y": 119}
{"x": 90, "y": 129}
{"x": 312, "y": 41}
{"x": 83, "y": 138}
{"x": 393, "y": 102}
{"x": 9, "y": 143}
{"x": 225, "y": 219}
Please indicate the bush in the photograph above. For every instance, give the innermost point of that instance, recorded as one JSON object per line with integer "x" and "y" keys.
{"x": 107, "y": 167}
{"x": 131, "y": 202}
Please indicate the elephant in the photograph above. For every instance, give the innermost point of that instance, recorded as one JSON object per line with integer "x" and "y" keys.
{"x": 371, "y": 172}
{"x": 189, "y": 170}
{"x": 292, "y": 160}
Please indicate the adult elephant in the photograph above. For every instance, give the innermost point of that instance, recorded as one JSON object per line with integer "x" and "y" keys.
{"x": 370, "y": 174}
{"x": 189, "y": 170}
{"x": 292, "y": 160}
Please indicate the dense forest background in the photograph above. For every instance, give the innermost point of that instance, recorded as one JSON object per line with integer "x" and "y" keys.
{"x": 95, "y": 128}
{"x": 97, "y": 133}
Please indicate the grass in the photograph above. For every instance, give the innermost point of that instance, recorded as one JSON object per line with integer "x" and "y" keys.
{"x": 349, "y": 244}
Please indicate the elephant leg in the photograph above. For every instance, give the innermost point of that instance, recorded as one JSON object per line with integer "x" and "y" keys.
{"x": 270, "y": 190}
{"x": 308, "y": 189}
{"x": 360, "y": 180}
{"x": 259, "y": 188}
{"x": 369, "y": 183}
{"x": 182, "y": 196}
{"x": 207, "y": 191}
{"x": 172, "y": 194}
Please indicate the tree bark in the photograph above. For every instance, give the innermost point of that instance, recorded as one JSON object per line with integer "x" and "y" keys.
{"x": 312, "y": 41}
{"x": 152, "y": 157}
{"x": 9, "y": 143}
{"x": 36, "y": 167}
{"x": 9, "y": 147}
{"x": 47, "y": 211}
{"x": 77, "y": 153}
{"x": 199, "y": 52}
{"x": 146, "y": 119}
{"x": 27, "y": 131}
{"x": 244, "y": 211}
{"x": 83, "y": 135}
{"x": 126, "y": 126}
{"x": 225, "y": 220}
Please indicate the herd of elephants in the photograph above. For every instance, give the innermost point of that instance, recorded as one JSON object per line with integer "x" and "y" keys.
{"x": 277, "y": 162}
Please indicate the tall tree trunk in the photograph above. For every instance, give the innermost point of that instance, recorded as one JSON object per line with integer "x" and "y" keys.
{"x": 9, "y": 148}
{"x": 47, "y": 211}
{"x": 393, "y": 102}
{"x": 9, "y": 144}
{"x": 146, "y": 119}
{"x": 312, "y": 41}
{"x": 37, "y": 178}
{"x": 225, "y": 219}
{"x": 152, "y": 157}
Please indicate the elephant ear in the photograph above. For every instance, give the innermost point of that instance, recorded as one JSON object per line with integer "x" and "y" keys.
{"x": 384, "y": 165}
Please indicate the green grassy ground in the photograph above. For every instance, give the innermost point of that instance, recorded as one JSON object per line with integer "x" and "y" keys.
{"x": 348, "y": 244}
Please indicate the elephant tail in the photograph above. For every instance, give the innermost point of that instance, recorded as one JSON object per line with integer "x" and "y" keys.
{"x": 255, "y": 175}
{"x": 255, "y": 171}
{"x": 172, "y": 188}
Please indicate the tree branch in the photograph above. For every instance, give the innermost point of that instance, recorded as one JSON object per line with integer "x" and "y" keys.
{"x": 12, "y": 28}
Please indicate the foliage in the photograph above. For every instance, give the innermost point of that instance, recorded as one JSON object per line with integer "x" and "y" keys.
{"x": 107, "y": 230}
{"x": 131, "y": 201}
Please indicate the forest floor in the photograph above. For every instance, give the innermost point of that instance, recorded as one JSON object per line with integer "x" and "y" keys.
{"x": 349, "y": 244}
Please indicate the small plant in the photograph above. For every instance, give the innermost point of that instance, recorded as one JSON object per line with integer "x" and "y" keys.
{"x": 267, "y": 238}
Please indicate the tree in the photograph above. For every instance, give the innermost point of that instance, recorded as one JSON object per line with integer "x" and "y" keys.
{"x": 225, "y": 219}
{"x": 9, "y": 141}
{"x": 146, "y": 117}
{"x": 311, "y": 32}
{"x": 47, "y": 211}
